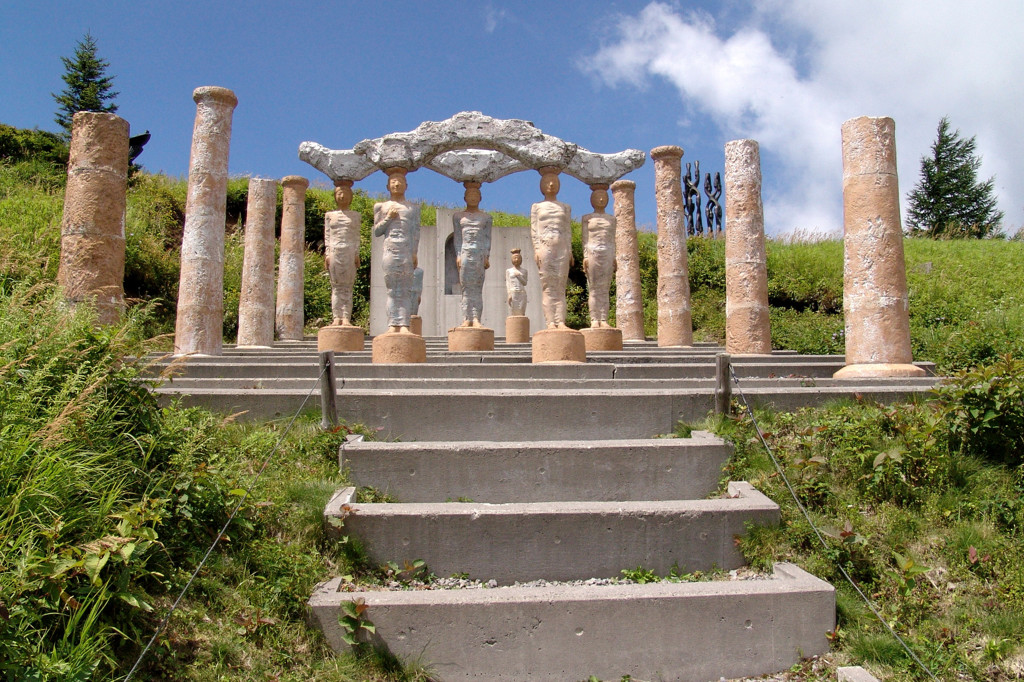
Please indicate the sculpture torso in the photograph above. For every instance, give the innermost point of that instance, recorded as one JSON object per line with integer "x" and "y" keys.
{"x": 551, "y": 232}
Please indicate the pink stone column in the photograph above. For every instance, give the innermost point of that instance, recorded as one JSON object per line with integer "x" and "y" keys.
{"x": 293, "y": 253}
{"x": 747, "y": 330}
{"x": 92, "y": 230}
{"x": 629, "y": 307}
{"x": 875, "y": 301}
{"x": 200, "y": 323}
{"x": 256, "y": 299}
{"x": 675, "y": 327}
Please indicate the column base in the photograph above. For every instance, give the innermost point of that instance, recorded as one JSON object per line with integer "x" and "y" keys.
{"x": 878, "y": 370}
{"x": 398, "y": 347}
{"x": 602, "y": 338}
{"x": 416, "y": 325}
{"x": 559, "y": 345}
{"x": 340, "y": 338}
{"x": 517, "y": 329}
{"x": 470, "y": 338}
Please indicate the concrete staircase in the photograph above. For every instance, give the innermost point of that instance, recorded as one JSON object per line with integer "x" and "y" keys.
{"x": 551, "y": 475}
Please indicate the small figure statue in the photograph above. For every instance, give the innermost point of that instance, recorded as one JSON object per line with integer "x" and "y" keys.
{"x": 598, "y": 255}
{"x": 398, "y": 221}
{"x": 551, "y": 233}
{"x": 341, "y": 242}
{"x": 515, "y": 285}
{"x": 472, "y": 241}
{"x": 713, "y": 210}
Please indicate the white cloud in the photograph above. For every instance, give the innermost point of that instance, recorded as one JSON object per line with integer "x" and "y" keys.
{"x": 492, "y": 17}
{"x": 794, "y": 70}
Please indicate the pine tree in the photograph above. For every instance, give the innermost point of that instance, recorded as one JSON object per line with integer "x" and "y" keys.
{"x": 948, "y": 200}
{"x": 88, "y": 86}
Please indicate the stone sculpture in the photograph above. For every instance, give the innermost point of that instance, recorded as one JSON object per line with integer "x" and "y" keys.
{"x": 256, "y": 298}
{"x": 675, "y": 326}
{"x": 398, "y": 221}
{"x": 292, "y": 262}
{"x": 629, "y": 313}
{"x": 472, "y": 240}
{"x": 341, "y": 242}
{"x": 551, "y": 233}
{"x": 515, "y": 285}
{"x": 598, "y": 255}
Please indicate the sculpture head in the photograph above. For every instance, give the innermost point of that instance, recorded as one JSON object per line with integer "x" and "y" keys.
{"x": 517, "y": 257}
{"x": 473, "y": 195}
{"x": 343, "y": 194}
{"x": 396, "y": 183}
{"x": 599, "y": 197}
{"x": 549, "y": 183}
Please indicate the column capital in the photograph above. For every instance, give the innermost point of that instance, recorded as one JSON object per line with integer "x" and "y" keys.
{"x": 213, "y": 93}
{"x": 668, "y": 151}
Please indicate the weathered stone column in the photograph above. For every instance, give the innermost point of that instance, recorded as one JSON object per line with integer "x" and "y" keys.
{"x": 675, "y": 327}
{"x": 629, "y": 307}
{"x": 256, "y": 299}
{"x": 875, "y": 302}
{"x": 293, "y": 253}
{"x": 92, "y": 230}
{"x": 747, "y": 329}
{"x": 200, "y": 322}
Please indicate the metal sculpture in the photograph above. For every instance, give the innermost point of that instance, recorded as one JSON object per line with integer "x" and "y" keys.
{"x": 713, "y": 208}
{"x": 691, "y": 201}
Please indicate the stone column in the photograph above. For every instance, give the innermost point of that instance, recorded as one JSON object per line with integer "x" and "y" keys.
{"x": 675, "y": 327}
{"x": 92, "y": 230}
{"x": 629, "y": 307}
{"x": 747, "y": 330}
{"x": 200, "y": 322}
{"x": 256, "y": 299}
{"x": 875, "y": 302}
{"x": 293, "y": 253}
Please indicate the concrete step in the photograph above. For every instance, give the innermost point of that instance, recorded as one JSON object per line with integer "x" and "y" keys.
{"x": 540, "y": 471}
{"x": 691, "y": 632}
{"x": 554, "y": 540}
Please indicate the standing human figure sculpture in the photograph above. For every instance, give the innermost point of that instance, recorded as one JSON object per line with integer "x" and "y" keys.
{"x": 472, "y": 241}
{"x": 398, "y": 221}
{"x": 713, "y": 209}
{"x": 515, "y": 285}
{"x": 551, "y": 233}
{"x": 341, "y": 241}
{"x": 598, "y": 235}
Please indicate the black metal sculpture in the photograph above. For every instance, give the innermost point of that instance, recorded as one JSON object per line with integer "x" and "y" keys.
{"x": 691, "y": 201}
{"x": 713, "y": 209}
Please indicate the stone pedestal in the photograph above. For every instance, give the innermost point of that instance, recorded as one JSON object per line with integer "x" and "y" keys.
{"x": 199, "y": 327}
{"x": 629, "y": 307}
{"x": 559, "y": 345}
{"x": 602, "y": 338}
{"x": 290, "y": 271}
{"x": 675, "y": 326}
{"x": 517, "y": 329}
{"x": 340, "y": 339}
{"x": 256, "y": 298}
{"x": 875, "y": 301}
{"x": 416, "y": 325}
{"x": 470, "y": 338}
{"x": 747, "y": 329}
{"x": 92, "y": 230}
{"x": 399, "y": 347}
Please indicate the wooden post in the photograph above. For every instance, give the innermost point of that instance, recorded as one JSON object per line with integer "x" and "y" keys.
{"x": 723, "y": 384}
{"x": 328, "y": 391}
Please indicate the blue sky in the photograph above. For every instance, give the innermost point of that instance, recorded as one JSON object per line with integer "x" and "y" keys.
{"x": 607, "y": 76}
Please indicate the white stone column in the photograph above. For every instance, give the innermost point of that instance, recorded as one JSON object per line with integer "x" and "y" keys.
{"x": 675, "y": 326}
{"x": 875, "y": 301}
{"x": 200, "y": 322}
{"x": 256, "y": 299}
{"x": 292, "y": 264}
{"x": 629, "y": 307}
{"x": 92, "y": 230}
{"x": 747, "y": 329}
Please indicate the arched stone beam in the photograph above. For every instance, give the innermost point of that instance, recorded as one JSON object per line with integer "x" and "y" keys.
{"x": 337, "y": 164}
{"x": 591, "y": 168}
{"x": 475, "y": 165}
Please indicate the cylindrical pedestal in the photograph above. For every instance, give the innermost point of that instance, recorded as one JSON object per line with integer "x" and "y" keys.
{"x": 675, "y": 326}
{"x": 92, "y": 230}
{"x": 629, "y": 307}
{"x": 747, "y": 329}
{"x": 256, "y": 298}
{"x": 290, "y": 271}
{"x": 875, "y": 302}
{"x": 559, "y": 345}
{"x": 399, "y": 347}
{"x": 517, "y": 329}
{"x": 602, "y": 338}
{"x": 199, "y": 327}
{"x": 470, "y": 338}
{"x": 416, "y": 325}
{"x": 340, "y": 339}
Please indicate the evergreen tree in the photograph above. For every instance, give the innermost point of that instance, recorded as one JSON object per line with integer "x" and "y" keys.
{"x": 88, "y": 86}
{"x": 948, "y": 200}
